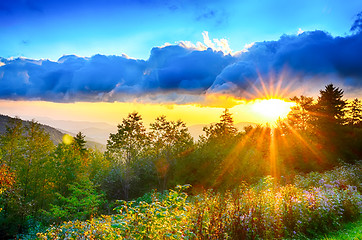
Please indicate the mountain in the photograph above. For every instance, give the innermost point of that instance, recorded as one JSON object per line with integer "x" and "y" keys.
{"x": 56, "y": 135}
{"x": 94, "y": 131}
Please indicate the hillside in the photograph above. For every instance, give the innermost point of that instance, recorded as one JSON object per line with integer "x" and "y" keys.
{"x": 55, "y": 135}
{"x": 95, "y": 131}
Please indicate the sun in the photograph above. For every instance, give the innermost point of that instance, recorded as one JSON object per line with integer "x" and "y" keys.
{"x": 270, "y": 110}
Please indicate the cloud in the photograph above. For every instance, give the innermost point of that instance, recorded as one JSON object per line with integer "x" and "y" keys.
{"x": 111, "y": 78}
{"x": 357, "y": 25}
{"x": 304, "y": 59}
{"x": 187, "y": 72}
{"x": 216, "y": 44}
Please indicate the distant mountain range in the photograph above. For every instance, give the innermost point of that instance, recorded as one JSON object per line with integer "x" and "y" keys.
{"x": 56, "y": 135}
{"x": 94, "y": 131}
{"x": 196, "y": 130}
{"x": 97, "y": 133}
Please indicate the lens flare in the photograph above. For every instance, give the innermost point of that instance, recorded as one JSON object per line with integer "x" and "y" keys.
{"x": 67, "y": 139}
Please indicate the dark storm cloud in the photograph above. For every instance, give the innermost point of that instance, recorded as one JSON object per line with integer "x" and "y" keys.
{"x": 310, "y": 56}
{"x": 178, "y": 68}
{"x": 106, "y": 78}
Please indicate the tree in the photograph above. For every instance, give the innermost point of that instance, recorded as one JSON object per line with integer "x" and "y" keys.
{"x": 169, "y": 140}
{"x": 67, "y": 167}
{"x": 12, "y": 143}
{"x": 224, "y": 129}
{"x": 126, "y": 147}
{"x": 28, "y": 150}
{"x": 82, "y": 203}
{"x": 301, "y": 116}
{"x": 33, "y": 174}
{"x": 7, "y": 180}
{"x": 330, "y": 105}
{"x": 354, "y": 113}
{"x": 79, "y": 142}
{"x": 330, "y": 130}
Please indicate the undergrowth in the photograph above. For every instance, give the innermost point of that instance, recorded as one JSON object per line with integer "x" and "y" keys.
{"x": 314, "y": 204}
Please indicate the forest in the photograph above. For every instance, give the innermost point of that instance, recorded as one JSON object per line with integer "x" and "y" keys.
{"x": 297, "y": 179}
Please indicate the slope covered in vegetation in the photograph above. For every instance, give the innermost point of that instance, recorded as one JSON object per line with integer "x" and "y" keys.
{"x": 315, "y": 203}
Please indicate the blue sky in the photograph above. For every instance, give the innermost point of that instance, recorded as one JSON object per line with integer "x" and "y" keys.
{"x": 176, "y": 51}
{"x": 41, "y": 29}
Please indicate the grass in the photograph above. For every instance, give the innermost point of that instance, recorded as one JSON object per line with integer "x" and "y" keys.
{"x": 350, "y": 231}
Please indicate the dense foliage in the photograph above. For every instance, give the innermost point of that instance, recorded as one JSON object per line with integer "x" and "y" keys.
{"x": 43, "y": 184}
{"x": 313, "y": 204}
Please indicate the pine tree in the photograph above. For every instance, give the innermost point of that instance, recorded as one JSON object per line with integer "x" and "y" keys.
{"x": 330, "y": 105}
{"x": 79, "y": 142}
{"x": 224, "y": 129}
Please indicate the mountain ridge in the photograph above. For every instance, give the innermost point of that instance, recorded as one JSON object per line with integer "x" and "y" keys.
{"x": 55, "y": 134}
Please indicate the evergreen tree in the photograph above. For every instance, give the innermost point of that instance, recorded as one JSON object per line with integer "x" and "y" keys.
{"x": 82, "y": 203}
{"x": 224, "y": 129}
{"x": 330, "y": 105}
{"x": 79, "y": 142}
{"x": 331, "y": 133}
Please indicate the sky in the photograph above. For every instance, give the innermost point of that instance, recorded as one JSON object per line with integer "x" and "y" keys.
{"x": 99, "y": 60}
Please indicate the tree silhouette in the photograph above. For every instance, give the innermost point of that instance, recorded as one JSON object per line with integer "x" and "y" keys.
{"x": 224, "y": 129}
{"x": 301, "y": 116}
{"x": 330, "y": 105}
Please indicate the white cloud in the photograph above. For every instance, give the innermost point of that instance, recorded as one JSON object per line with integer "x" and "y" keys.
{"x": 207, "y": 40}
{"x": 187, "y": 44}
{"x": 300, "y": 31}
{"x": 217, "y": 44}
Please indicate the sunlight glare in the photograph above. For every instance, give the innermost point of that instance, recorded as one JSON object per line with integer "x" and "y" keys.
{"x": 272, "y": 109}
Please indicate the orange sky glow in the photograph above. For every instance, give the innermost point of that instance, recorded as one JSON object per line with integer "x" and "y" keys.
{"x": 256, "y": 111}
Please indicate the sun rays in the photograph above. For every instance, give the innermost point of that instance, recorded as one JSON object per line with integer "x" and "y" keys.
{"x": 276, "y": 137}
